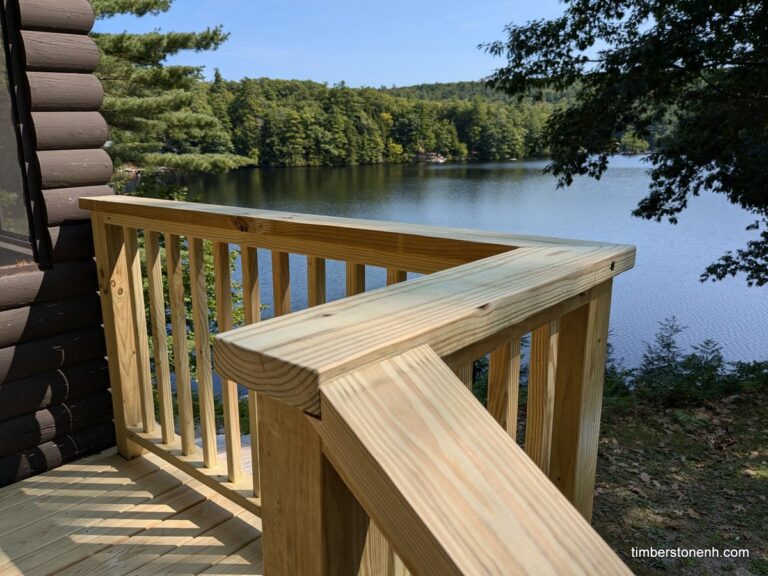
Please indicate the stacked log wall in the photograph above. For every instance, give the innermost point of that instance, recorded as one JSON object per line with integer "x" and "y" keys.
{"x": 54, "y": 387}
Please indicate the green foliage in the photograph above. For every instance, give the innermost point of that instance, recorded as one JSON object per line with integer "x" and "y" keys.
{"x": 160, "y": 116}
{"x": 671, "y": 377}
{"x": 688, "y": 76}
{"x": 667, "y": 375}
{"x": 295, "y": 123}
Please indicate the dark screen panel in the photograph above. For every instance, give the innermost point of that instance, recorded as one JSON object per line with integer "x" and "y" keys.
{"x": 14, "y": 221}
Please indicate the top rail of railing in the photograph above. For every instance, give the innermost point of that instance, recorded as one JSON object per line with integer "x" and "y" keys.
{"x": 412, "y": 247}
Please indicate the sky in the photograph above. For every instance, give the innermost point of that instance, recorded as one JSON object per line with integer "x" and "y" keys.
{"x": 361, "y": 42}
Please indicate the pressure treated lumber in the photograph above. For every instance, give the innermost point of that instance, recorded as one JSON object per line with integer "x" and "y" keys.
{"x": 73, "y": 168}
{"x": 281, "y": 283}
{"x": 466, "y": 373}
{"x": 152, "y": 523}
{"x": 116, "y": 308}
{"x": 578, "y": 399}
{"x": 66, "y": 280}
{"x": 252, "y": 313}
{"x": 249, "y": 259}
{"x": 504, "y": 385}
{"x": 51, "y": 353}
{"x": 312, "y": 523}
{"x": 230, "y": 400}
{"x": 395, "y": 276}
{"x": 355, "y": 278}
{"x": 492, "y": 511}
{"x": 111, "y": 528}
{"x": 180, "y": 346}
{"x": 241, "y": 493}
{"x": 316, "y": 288}
{"x": 141, "y": 342}
{"x": 29, "y": 430}
{"x": 201, "y": 327}
{"x": 51, "y": 388}
{"x": 159, "y": 334}
{"x": 449, "y": 310}
{"x": 417, "y": 248}
{"x": 62, "y": 204}
{"x": 542, "y": 372}
{"x": 56, "y": 52}
{"x": 58, "y": 91}
{"x": 59, "y": 16}
{"x": 45, "y": 319}
{"x": 71, "y": 241}
{"x": 69, "y": 130}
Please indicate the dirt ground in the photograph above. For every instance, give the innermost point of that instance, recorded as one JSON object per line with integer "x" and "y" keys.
{"x": 688, "y": 478}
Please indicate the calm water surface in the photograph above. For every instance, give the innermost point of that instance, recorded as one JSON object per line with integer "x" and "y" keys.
{"x": 516, "y": 197}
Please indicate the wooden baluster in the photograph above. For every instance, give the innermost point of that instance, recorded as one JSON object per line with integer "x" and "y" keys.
{"x": 223, "y": 289}
{"x": 252, "y": 304}
{"x": 249, "y": 261}
{"x": 281, "y": 282}
{"x": 466, "y": 374}
{"x": 504, "y": 385}
{"x": 180, "y": 347}
{"x": 355, "y": 279}
{"x": 316, "y": 294}
{"x": 395, "y": 276}
{"x": 140, "y": 329}
{"x": 578, "y": 398}
{"x": 116, "y": 306}
{"x": 202, "y": 327}
{"x": 159, "y": 335}
{"x": 541, "y": 394}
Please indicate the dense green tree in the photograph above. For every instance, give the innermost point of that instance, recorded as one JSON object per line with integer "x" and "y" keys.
{"x": 631, "y": 65}
{"x": 160, "y": 115}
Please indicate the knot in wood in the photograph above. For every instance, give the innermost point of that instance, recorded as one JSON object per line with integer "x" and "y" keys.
{"x": 241, "y": 224}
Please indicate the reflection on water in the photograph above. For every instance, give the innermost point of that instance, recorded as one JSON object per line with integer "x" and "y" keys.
{"x": 517, "y": 197}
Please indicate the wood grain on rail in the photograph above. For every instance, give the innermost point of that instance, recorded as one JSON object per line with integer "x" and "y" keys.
{"x": 448, "y": 310}
{"x": 413, "y": 247}
{"x": 448, "y": 487}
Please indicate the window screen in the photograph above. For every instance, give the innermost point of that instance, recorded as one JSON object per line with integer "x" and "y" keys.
{"x": 14, "y": 222}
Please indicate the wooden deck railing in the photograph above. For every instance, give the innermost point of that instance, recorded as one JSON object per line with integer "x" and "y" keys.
{"x": 357, "y": 413}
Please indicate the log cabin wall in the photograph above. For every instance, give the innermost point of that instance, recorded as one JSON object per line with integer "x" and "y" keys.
{"x": 54, "y": 390}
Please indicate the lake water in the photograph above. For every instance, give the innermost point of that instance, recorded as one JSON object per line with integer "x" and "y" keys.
{"x": 516, "y": 197}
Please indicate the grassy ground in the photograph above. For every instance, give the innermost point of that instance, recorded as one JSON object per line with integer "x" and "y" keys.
{"x": 688, "y": 478}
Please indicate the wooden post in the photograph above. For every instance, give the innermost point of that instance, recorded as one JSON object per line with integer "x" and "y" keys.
{"x": 541, "y": 394}
{"x": 312, "y": 524}
{"x": 578, "y": 398}
{"x": 118, "y": 313}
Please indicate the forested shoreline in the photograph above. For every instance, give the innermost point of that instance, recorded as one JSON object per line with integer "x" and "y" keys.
{"x": 304, "y": 123}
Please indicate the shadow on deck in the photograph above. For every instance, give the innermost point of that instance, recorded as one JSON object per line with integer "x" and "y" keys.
{"x": 106, "y": 515}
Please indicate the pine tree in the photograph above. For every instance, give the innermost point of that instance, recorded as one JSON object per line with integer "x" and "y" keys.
{"x": 160, "y": 116}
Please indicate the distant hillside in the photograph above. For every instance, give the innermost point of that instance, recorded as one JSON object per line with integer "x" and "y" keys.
{"x": 303, "y": 123}
{"x": 465, "y": 91}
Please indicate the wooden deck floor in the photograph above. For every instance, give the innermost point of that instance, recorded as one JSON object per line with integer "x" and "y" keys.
{"x": 106, "y": 516}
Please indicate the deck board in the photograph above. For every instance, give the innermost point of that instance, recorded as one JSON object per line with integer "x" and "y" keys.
{"x": 105, "y": 515}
